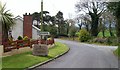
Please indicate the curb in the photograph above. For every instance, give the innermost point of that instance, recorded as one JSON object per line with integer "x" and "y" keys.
{"x": 40, "y": 64}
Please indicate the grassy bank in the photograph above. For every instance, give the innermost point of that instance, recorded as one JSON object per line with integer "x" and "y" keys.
{"x": 70, "y": 38}
{"x": 25, "y": 60}
{"x": 117, "y": 52}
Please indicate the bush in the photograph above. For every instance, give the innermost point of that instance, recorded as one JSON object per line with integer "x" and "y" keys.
{"x": 20, "y": 38}
{"x": 112, "y": 41}
{"x": 25, "y": 38}
{"x": 84, "y": 35}
{"x": 48, "y": 38}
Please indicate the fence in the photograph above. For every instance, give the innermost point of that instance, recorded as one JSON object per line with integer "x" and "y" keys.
{"x": 8, "y": 46}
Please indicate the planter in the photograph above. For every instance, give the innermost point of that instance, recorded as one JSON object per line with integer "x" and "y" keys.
{"x": 40, "y": 50}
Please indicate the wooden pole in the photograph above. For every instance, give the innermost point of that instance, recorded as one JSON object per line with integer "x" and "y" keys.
{"x": 41, "y": 15}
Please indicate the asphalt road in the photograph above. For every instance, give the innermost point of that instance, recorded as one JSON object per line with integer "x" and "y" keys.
{"x": 83, "y": 55}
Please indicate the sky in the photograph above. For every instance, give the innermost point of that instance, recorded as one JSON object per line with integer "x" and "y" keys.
{"x": 20, "y": 7}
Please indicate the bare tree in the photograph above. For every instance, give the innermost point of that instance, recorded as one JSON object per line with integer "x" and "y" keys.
{"x": 94, "y": 9}
{"x": 78, "y": 18}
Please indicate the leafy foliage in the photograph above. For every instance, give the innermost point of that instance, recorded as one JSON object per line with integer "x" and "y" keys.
{"x": 94, "y": 9}
{"x": 84, "y": 35}
{"x": 25, "y": 38}
{"x": 6, "y": 20}
{"x": 20, "y": 38}
{"x": 72, "y": 31}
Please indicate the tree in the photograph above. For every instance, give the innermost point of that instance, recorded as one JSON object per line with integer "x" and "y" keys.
{"x": 87, "y": 22}
{"x": 60, "y": 22}
{"x": 73, "y": 31}
{"x": 36, "y": 16}
{"x": 108, "y": 16}
{"x": 95, "y": 10}
{"x": 79, "y": 19}
{"x": 114, "y": 7}
{"x": 102, "y": 26}
{"x": 6, "y": 20}
{"x": 46, "y": 18}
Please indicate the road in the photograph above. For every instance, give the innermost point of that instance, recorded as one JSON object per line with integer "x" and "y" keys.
{"x": 83, "y": 55}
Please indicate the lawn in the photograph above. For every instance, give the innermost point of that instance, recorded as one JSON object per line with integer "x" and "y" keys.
{"x": 107, "y": 34}
{"x": 24, "y": 60}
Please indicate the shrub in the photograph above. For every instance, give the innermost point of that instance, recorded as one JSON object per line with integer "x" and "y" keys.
{"x": 25, "y": 38}
{"x": 20, "y": 38}
{"x": 112, "y": 41}
{"x": 49, "y": 38}
{"x": 84, "y": 35}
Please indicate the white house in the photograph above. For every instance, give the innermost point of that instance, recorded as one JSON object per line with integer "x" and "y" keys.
{"x": 18, "y": 28}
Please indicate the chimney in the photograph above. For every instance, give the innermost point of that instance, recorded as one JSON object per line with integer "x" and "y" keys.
{"x": 27, "y": 25}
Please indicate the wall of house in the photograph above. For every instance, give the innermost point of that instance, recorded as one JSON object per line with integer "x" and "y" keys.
{"x": 24, "y": 27}
{"x": 17, "y": 29}
{"x": 34, "y": 32}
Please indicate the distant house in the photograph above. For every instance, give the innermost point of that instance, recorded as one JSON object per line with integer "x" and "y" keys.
{"x": 24, "y": 27}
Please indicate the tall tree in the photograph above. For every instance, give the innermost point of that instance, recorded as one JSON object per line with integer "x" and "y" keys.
{"x": 95, "y": 9}
{"x": 60, "y": 21}
{"x": 114, "y": 7}
{"x": 46, "y": 18}
{"x": 6, "y": 20}
{"x": 108, "y": 16}
{"x": 36, "y": 16}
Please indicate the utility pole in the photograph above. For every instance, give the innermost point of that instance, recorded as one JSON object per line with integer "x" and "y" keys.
{"x": 41, "y": 15}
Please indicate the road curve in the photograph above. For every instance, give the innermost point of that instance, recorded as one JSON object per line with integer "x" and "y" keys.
{"x": 84, "y": 56}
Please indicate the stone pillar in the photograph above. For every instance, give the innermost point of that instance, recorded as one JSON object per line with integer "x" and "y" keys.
{"x": 0, "y": 33}
{"x": 40, "y": 50}
{"x": 27, "y": 25}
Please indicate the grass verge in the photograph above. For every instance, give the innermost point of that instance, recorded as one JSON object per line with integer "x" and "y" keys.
{"x": 24, "y": 60}
{"x": 117, "y": 52}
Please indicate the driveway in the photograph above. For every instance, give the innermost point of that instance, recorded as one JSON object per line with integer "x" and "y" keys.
{"x": 83, "y": 55}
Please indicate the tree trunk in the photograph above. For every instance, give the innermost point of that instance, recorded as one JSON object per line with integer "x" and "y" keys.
{"x": 118, "y": 29}
{"x": 87, "y": 27}
{"x": 94, "y": 25}
{"x": 73, "y": 38}
{"x": 67, "y": 29}
{"x": 5, "y": 33}
{"x": 110, "y": 30}
{"x": 80, "y": 26}
{"x": 103, "y": 33}
{"x": 58, "y": 29}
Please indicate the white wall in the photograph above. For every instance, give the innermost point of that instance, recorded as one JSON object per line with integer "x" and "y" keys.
{"x": 17, "y": 29}
{"x": 34, "y": 32}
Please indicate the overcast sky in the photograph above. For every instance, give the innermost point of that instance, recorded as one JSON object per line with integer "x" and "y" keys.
{"x": 20, "y": 7}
